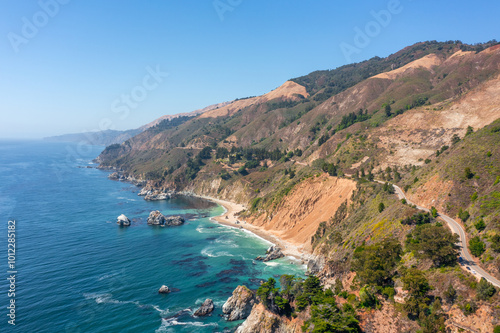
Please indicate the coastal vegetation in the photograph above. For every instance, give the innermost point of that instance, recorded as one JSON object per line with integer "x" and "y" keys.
{"x": 357, "y": 125}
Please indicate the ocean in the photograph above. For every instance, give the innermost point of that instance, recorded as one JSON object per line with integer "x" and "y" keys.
{"x": 76, "y": 270}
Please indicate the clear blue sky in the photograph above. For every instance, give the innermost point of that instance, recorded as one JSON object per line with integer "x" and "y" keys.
{"x": 70, "y": 73}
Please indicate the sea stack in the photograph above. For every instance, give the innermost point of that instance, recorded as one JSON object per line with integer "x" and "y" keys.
{"x": 164, "y": 290}
{"x": 240, "y": 304}
{"x": 157, "y": 218}
{"x": 205, "y": 309}
{"x": 122, "y": 220}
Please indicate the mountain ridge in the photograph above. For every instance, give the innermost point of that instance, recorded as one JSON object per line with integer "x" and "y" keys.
{"x": 426, "y": 113}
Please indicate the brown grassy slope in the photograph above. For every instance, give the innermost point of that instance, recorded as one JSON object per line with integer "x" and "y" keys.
{"x": 288, "y": 90}
{"x": 443, "y": 183}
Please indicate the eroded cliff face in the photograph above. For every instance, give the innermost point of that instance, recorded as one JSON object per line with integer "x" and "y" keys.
{"x": 264, "y": 321}
{"x": 237, "y": 191}
{"x": 239, "y": 305}
{"x": 311, "y": 202}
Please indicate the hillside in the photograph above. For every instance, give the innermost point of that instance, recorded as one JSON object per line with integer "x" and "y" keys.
{"x": 304, "y": 159}
{"x": 99, "y": 138}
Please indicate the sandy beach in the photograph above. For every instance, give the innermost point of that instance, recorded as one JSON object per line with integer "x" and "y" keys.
{"x": 229, "y": 218}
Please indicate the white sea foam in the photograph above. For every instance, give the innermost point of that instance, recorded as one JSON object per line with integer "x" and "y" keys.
{"x": 174, "y": 322}
{"x": 268, "y": 263}
{"x": 110, "y": 275}
{"x": 209, "y": 252}
{"x": 101, "y": 298}
{"x": 162, "y": 312}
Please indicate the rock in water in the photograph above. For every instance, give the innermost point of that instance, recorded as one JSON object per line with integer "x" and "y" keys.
{"x": 274, "y": 252}
{"x": 164, "y": 290}
{"x": 174, "y": 220}
{"x": 240, "y": 304}
{"x": 157, "y": 218}
{"x": 205, "y": 309}
{"x": 123, "y": 220}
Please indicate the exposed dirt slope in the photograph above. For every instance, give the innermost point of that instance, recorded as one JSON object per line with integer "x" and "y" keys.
{"x": 314, "y": 200}
{"x": 426, "y": 62}
{"x": 418, "y": 133}
{"x": 289, "y": 90}
{"x": 189, "y": 114}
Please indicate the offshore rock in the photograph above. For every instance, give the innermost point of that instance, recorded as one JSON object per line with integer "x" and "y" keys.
{"x": 205, "y": 309}
{"x": 164, "y": 290}
{"x": 240, "y": 304}
{"x": 122, "y": 220}
{"x": 272, "y": 253}
{"x": 157, "y": 218}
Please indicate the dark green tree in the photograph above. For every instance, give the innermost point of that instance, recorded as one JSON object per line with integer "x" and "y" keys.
{"x": 450, "y": 294}
{"x": 480, "y": 225}
{"x": 415, "y": 282}
{"x": 388, "y": 110}
{"x": 435, "y": 243}
{"x": 476, "y": 246}
{"x": 434, "y": 212}
{"x": 376, "y": 264}
{"x": 485, "y": 290}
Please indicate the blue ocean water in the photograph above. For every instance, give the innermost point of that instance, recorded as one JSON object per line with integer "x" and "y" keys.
{"x": 78, "y": 271}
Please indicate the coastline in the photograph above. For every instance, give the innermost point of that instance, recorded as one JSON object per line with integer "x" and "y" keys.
{"x": 229, "y": 218}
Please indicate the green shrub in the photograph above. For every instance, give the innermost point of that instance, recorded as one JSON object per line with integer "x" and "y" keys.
{"x": 485, "y": 290}
{"x": 434, "y": 212}
{"x": 476, "y": 246}
{"x": 463, "y": 215}
{"x": 469, "y": 308}
{"x": 389, "y": 292}
{"x": 480, "y": 225}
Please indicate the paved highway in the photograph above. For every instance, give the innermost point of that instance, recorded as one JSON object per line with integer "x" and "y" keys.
{"x": 466, "y": 258}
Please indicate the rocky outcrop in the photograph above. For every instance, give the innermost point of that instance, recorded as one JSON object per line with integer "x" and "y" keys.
{"x": 151, "y": 194}
{"x": 122, "y": 220}
{"x": 164, "y": 290}
{"x": 264, "y": 321}
{"x": 121, "y": 176}
{"x": 315, "y": 265}
{"x": 157, "y": 218}
{"x": 205, "y": 309}
{"x": 274, "y": 252}
{"x": 240, "y": 304}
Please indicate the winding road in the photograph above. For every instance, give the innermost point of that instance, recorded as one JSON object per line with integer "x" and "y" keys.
{"x": 465, "y": 259}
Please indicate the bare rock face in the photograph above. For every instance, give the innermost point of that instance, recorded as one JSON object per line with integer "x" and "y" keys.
{"x": 174, "y": 220}
{"x": 122, "y": 220}
{"x": 274, "y": 252}
{"x": 151, "y": 194}
{"x": 164, "y": 290}
{"x": 157, "y": 218}
{"x": 261, "y": 320}
{"x": 205, "y": 309}
{"x": 240, "y": 304}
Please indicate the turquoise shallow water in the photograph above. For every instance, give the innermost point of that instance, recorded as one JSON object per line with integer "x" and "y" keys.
{"x": 80, "y": 272}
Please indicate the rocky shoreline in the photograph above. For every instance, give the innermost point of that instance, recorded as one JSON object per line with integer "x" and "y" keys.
{"x": 228, "y": 218}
